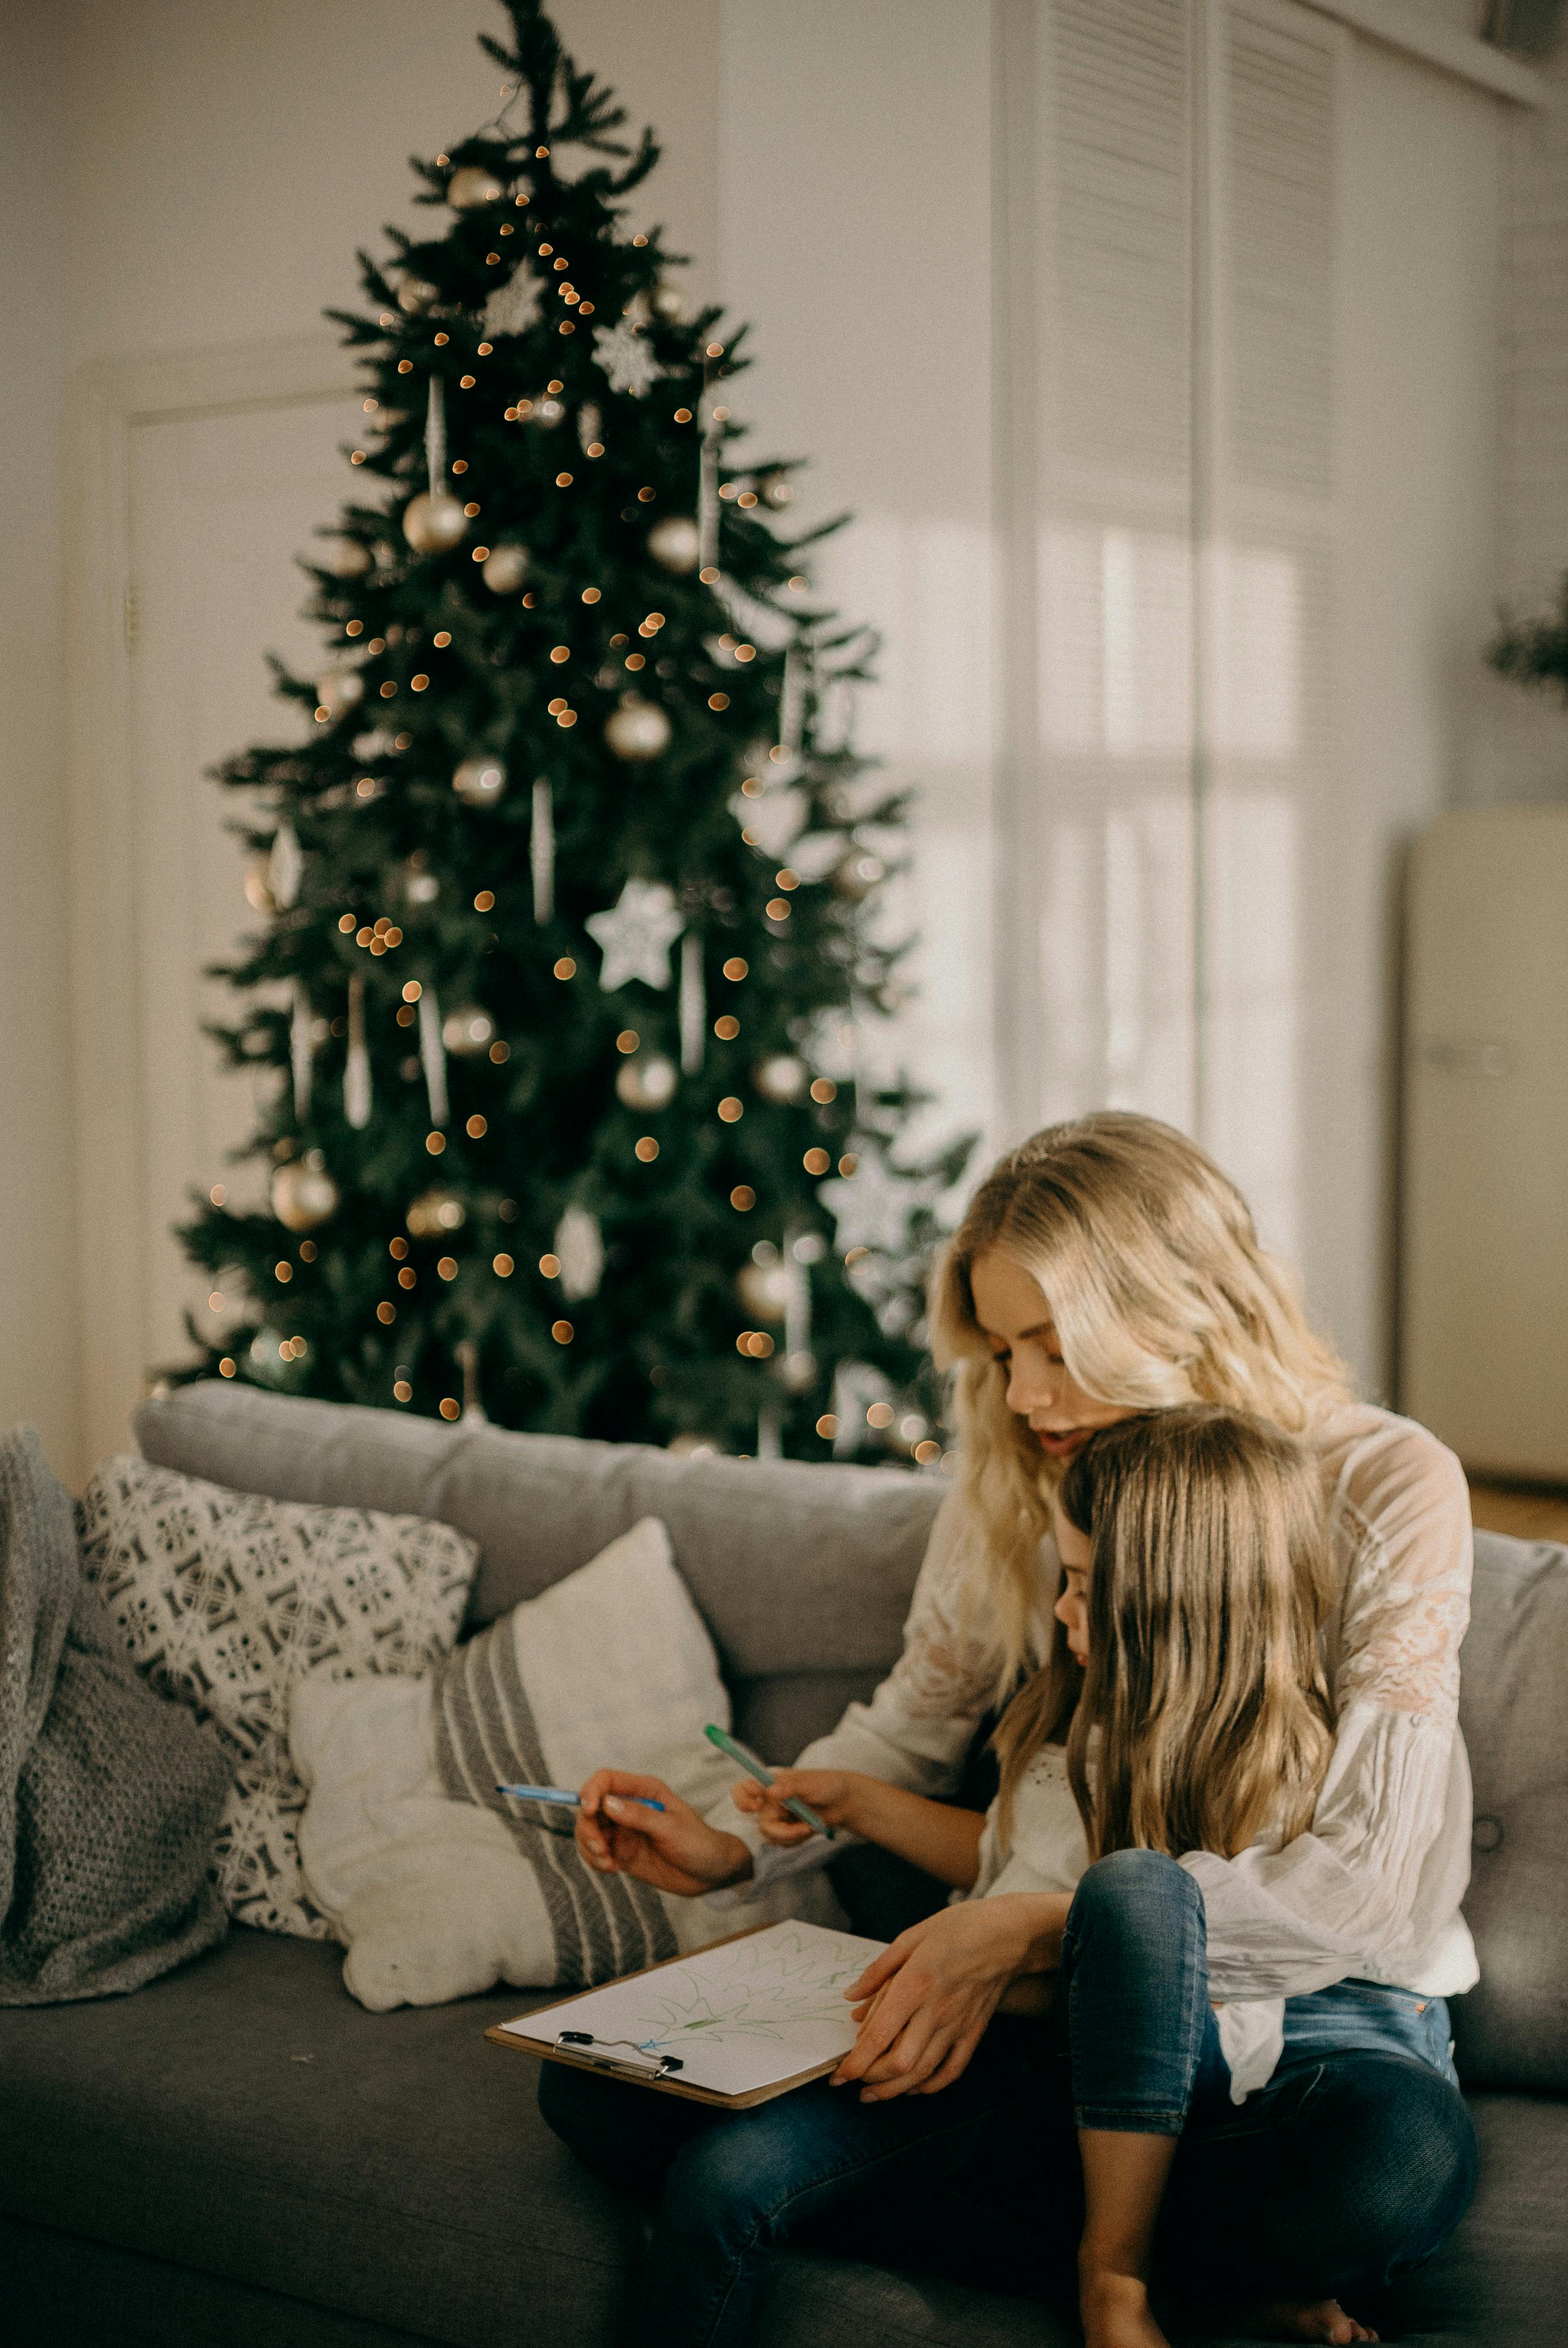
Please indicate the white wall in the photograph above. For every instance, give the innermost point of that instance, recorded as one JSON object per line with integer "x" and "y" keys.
{"x": 1416, "y": 451}
{"x": 37, "y": 1238}
{"x": 855, "y": 230}
{"x": 178, "y": 176}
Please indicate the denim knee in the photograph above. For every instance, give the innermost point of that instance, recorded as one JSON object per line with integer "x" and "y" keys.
{"x": 1140, "y": 1890}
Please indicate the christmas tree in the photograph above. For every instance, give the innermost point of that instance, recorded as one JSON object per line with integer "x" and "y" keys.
{"x": 568, "y": 884}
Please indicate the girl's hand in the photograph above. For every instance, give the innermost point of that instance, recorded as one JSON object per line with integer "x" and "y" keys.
{"x": 837, "y": 1796}
{"x": 923, "y": 2005}
{"x": 672, "y": 1850}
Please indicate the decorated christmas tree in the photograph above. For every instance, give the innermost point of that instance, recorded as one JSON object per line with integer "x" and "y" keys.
{"x": 568, "y": 884}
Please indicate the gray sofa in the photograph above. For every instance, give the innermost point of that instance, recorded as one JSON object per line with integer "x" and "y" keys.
{"x": 240, "y": 2155}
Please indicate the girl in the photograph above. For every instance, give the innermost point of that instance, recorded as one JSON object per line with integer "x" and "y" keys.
{"x": 1107, "y": 1269}
{"x": 1192, "y": 1695}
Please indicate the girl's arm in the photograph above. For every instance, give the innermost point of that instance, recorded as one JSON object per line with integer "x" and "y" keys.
{"x": 935, "y": 1836}
{"x": 917, "y": 1728}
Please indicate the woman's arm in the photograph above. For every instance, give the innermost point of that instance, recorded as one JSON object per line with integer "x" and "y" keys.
{"x": 935, "y": 1836}
{"x": 917, "y": 1728}
{"x": 1386, "y": 1861}
{"x": 923, "y": 2005}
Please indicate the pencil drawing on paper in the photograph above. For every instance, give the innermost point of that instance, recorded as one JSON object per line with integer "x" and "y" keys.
{"x": 752, "y": 1992}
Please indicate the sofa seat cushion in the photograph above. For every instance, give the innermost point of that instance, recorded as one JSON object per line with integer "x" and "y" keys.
{"x": 243, "y": 2116}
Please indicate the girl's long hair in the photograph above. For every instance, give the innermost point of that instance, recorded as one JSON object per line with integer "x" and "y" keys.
{"x": 1159, "y": 1294}
{"x": 1204, "y": 1715}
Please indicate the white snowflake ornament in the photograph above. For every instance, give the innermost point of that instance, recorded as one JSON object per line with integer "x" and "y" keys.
{"x": 771, "y": 821}
{"x": 628, "y": 361}
{"x": 870, "y": 1208}
{"x": 635, "y": 935}
{"x": 513, "y": 307}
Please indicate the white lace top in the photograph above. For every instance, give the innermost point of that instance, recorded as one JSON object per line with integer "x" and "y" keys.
{"x": 1373, "y": 1891}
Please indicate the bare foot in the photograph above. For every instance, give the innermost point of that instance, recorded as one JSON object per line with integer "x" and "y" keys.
{"x": 1115, "y": 2313}
{"x": 1309, "y": 2319}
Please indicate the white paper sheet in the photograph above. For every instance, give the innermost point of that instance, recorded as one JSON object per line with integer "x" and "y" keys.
{"x": 738, "y": 2016}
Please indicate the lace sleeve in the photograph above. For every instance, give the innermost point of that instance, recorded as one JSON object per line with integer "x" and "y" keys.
{"x": 1386, "y": 1846}
{"x": 916, "y": 1727}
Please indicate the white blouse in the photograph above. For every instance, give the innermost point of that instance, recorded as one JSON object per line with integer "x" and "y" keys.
{"x": 1372, "y": 1890}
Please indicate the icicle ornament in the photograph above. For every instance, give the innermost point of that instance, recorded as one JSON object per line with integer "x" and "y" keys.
{"x": 542, "y": 851}
{"x": 693, "y": 1005}
{"x": 302, "y": 1053}
{"x": 580, "y": 1245}
{"x": 435, "y": 438}
{"x": 468, "y": 1358}
{"x": 357, "y": 1087}
{"x": 285, "y": 867}
{"x": 433, "y": 1055}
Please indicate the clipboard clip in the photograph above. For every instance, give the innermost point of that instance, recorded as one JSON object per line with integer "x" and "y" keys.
{"x": 636, "y": 2061}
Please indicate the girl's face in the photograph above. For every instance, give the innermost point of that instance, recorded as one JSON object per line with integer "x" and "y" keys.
{"x": 1013, "y": 1311}
{"x": 1072, "y": 1609}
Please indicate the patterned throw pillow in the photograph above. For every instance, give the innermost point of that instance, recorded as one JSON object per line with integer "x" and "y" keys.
{"x": 227, "y": 1600}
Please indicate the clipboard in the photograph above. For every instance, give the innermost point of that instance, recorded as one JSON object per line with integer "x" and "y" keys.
{"x": 612, "y": 2059}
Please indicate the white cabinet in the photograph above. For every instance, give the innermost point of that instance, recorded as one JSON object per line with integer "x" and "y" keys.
{"x": 1484, "y": 1306}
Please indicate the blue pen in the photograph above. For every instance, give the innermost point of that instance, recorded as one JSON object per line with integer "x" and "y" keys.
{"x": 569, "y": 1801}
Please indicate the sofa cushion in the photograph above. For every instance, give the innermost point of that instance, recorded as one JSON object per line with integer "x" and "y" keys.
{"x": 228, "y": 1602}
{"x": 439, "y": 1886}
{"x": 796, "y": 1568}
{"x": 1513, "y": 2029}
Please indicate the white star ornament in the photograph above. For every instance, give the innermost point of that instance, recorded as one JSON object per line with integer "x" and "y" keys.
{"x": 635, "y": 935}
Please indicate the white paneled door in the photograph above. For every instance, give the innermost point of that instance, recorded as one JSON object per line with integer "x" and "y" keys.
{"x": 222, "y": 501}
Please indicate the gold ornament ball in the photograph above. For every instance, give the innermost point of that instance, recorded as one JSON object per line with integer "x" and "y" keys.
{"x": 339, "y": 692}
{"x": 434, "y": 1213}
{"x": 416, "y": 295}
{"x": 303, "y": 1195}
{"x": 647, "y": 1080}
{"x": 467, "y": 1031}
{"x": 479, "y": 782}
{"x": 259, "y": 885}
{"x": 781, "y": 1078}
{"x": 469, "y": 189}
{"x": 638, "y": 729}
{"x": 774, "y": 491}
{"x": 857, "y": 876}
{"x": 433, "y": 525}
{"x": 764, "y": 1290}
{"x": 669, "y": 304}
{"x": 503, "y": 568}
{"x": 548, "y": 411}
{"x": 346, "y": 558}
{"x": 676, "y": 542}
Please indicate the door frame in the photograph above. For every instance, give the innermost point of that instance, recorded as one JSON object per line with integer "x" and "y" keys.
{"x": 106, "y": 400}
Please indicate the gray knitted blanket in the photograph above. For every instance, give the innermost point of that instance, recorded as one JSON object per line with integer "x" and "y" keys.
{"x": 108, "y": 1795}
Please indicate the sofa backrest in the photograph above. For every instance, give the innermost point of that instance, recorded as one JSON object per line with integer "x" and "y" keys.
{"x": 1512, "y": 2031}
{"x": 802, "y": 1573}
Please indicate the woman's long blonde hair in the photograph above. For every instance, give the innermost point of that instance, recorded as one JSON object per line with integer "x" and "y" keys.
{"x": 1203, "y": 1714}
{"x": 1159, "y": 1293}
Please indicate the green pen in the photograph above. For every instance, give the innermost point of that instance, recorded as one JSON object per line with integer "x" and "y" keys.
{"x": 764, "y": 1777}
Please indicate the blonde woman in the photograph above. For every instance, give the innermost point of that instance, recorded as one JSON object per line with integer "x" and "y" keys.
{"x": 1107, "y": 1269}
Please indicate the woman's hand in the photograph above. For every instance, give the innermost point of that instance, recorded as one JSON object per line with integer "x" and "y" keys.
{"x": 674, "y": 1849}
{"x": 923, "y": 2005}
{"x": 837, "y": 1796}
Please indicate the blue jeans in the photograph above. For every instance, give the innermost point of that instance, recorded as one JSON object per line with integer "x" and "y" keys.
{"x": 1351, "y": 2165}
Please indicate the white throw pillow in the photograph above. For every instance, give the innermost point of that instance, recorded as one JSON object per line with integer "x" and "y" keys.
{"x": 231, "y": 1602}
{"x": 439, "y": 1886}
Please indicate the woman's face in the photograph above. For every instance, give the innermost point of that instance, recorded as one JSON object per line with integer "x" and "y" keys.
{"x": 1012, "y": 1308}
